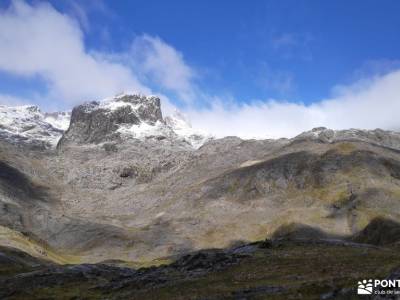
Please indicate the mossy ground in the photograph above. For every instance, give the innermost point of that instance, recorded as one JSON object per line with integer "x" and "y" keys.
{"x": 15, "y": 239}
{"x": 302, "y": 271}
{"x": 288, "y": 270}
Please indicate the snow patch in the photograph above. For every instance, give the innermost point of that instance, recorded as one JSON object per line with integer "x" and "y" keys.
{"x": 116, "y": 102}
{"x": 175, "y": 126}
{"x": 143, "y": 130}
{"x": 179, "y": 123}
{"x": 59, "y": 120}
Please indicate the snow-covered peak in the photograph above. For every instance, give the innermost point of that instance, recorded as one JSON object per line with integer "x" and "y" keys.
{"x": 27, "y": 124}
{"x": 180, "y": 124}
{"x": 174, "y": 127}
{"x": 125, "y": 115}
{"x": 129, "y": 116}
{"x": 178, "y": 121}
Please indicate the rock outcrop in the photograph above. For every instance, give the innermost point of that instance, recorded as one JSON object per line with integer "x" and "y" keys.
{"x": 96, "y": 122}
{"x": 127, "y": 117}
{"x": 380, "y": 137}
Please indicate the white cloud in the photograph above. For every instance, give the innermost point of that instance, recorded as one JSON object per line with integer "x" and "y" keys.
{"x": 38, "y": 40}
{"x": 376, "y": 105}
{"x": 165, "y": 65}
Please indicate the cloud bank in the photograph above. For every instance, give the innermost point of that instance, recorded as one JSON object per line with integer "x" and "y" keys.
{"x": 37, "y": 40}
{"x": 367, "y": 104}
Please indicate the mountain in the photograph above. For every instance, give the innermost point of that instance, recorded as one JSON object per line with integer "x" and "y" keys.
{"x": 125, "y": 186}
{"x": 28, "y": 125}
{"x": 125, "y": 117}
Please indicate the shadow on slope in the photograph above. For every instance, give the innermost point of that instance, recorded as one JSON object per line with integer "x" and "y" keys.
{"x": 292, "y": 263}
{"x": 300, "y": 170}
{"x": 14, "y": 261}
{"x": 17, "y": 185}
{"x": 379, "y": 232}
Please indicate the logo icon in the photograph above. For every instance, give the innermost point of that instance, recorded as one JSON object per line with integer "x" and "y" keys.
{"x": 365, "y": 287}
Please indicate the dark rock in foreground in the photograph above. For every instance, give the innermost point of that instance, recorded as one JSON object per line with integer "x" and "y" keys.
{"x": 283, "y": 270}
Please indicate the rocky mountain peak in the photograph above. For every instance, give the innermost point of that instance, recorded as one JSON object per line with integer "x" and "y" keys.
{"x": 123, "y": 117}
{"x": 95, "y": 122}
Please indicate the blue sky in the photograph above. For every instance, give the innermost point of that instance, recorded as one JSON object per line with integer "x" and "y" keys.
{"x": 263, "y": 49}
{"x": 208, "y": 58}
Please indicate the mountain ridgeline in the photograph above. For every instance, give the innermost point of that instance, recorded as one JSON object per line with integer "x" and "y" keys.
{"x": 116, "y": 184}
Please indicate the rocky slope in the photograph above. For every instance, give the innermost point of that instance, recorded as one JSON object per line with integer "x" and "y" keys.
{"x": 123, "y": 182}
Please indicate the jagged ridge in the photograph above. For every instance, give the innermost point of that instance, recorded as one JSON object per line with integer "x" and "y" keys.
{"x": 123, "y": 117}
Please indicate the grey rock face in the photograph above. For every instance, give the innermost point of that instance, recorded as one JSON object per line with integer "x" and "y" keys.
{"x": 96, "y": 122}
